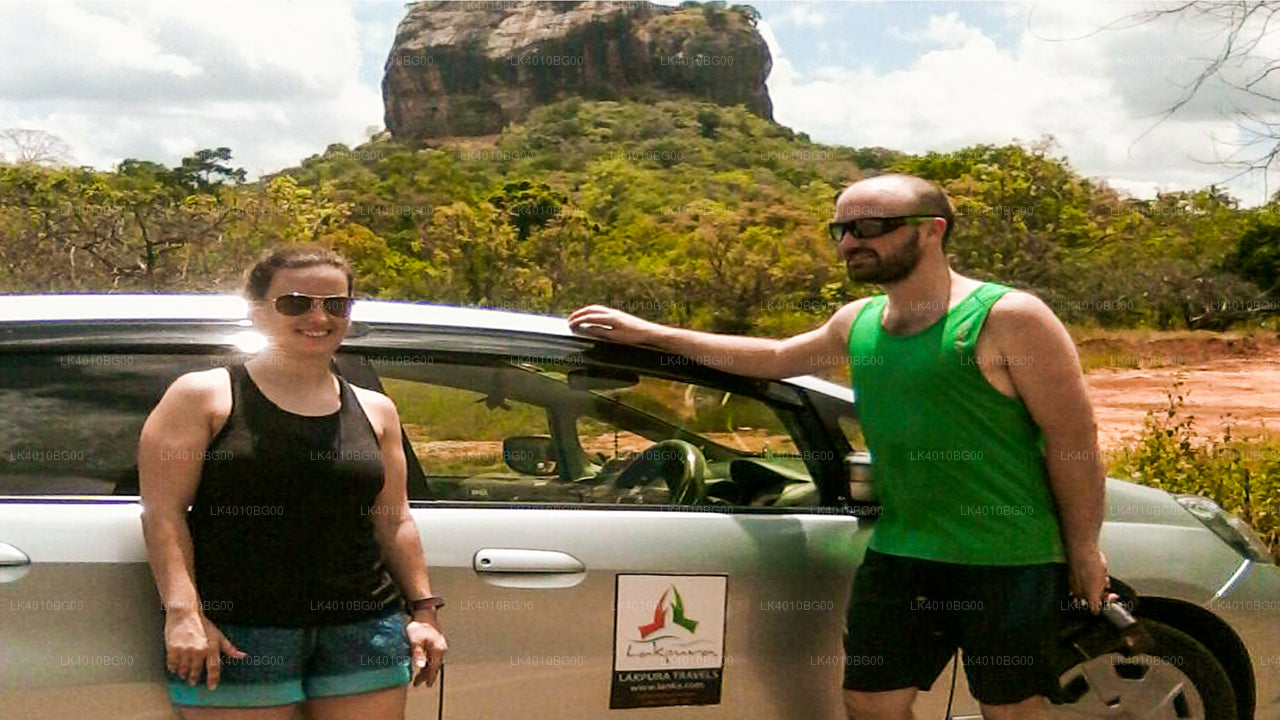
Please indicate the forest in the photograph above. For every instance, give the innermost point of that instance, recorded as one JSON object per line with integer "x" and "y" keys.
{"x": 680, "y": 211}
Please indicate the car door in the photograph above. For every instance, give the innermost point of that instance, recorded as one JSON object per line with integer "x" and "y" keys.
{"x": 579, "y": 596}
{"x": 543, "y": 572}
{"x": 80, "y": 621}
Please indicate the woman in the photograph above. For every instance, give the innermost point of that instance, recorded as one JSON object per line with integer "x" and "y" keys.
{"x": 284, "y": 582}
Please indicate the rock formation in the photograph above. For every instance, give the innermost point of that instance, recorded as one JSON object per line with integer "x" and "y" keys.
{"x": 470, "y": 68}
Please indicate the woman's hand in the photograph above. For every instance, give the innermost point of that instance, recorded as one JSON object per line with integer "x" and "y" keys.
{"x": 194, "y": 645}
{"x": 427, "y": 646}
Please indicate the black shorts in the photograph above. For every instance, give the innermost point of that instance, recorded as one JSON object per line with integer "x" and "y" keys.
{"x": 907, "y": 617}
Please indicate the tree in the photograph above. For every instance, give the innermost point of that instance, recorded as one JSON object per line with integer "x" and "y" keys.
{"x": 1019, "y": 211}
{"x": 748, "y": 13}
{"x": 34, "y": 147}
{"x": 527, "y": 204}
{"x": 477, "y": 252}
{"x": 1176, "y": 254}
{"x": 207, "y": 168}
{"x": 1238, "y": 63}
{"x": 1257, "y": 257}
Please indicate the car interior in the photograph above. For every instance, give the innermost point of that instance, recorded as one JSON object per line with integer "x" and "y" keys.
{"x": 594, "y": 434}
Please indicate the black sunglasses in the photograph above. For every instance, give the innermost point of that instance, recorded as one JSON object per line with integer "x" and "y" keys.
{"x": 295, "y": 304}
{"x": 867, "y": 228}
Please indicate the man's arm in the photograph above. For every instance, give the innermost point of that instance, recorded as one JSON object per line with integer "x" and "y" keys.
{"x": 1045, "y": 370}
{"x": 756, "y": 357}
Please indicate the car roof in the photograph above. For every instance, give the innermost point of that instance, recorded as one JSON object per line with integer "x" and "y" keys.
{"x": 29, "y": 308}
{"x": 85, "y": 307}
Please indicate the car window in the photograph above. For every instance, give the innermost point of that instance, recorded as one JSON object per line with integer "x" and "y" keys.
{"x": 503, "y": 431}
{"x": 548, "y": 432}
{"x": 69, "y": 424}
{"x": 458, "y": 436}
{"x": 735, "y": 421}
{"x": 852, "y": 430}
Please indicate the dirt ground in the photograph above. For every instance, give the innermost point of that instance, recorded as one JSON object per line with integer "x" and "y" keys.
{"x": 1244, "y": 391}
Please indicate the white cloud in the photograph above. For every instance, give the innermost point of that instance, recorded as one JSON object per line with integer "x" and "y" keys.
{"x": 275, "y": 82}
{"x": 804, "y": 14}
{"x": 278, "y": 81}
{"x": 942, "y": 30}
{"x": 1098, "y": 92}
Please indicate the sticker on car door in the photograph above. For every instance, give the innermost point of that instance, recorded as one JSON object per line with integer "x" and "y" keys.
{"x": 668, "y": 646}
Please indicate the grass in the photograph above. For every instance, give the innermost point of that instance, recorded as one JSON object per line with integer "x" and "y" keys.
{"x": 444, "y": 413}
{"x": 1134, "y": 348}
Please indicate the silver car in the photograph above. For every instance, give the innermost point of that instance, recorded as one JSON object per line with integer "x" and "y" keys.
{"x": 620, "y": 532}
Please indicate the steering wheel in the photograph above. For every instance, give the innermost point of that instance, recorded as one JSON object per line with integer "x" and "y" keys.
{"x": 677, "y": 462}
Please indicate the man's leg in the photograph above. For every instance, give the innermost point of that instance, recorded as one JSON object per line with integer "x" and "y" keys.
{"x": 895, "y": 639}
{"x": 888, "y": 705}
{"x": 1011, "y": 624}
{"x": 1033, "y": 708}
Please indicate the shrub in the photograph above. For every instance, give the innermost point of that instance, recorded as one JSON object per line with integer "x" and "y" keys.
{"x": 1242, "y": 475}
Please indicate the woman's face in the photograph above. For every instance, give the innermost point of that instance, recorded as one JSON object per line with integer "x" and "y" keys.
{"x": 314, "y": 332}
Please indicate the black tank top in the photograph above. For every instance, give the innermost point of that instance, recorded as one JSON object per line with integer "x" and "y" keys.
{"x": 282, "y": 520}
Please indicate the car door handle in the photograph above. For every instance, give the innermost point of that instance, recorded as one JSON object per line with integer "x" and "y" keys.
{"x": 518, "y": 560}
{"x": 11, "y": 556}
{"x": 14, "y": 563}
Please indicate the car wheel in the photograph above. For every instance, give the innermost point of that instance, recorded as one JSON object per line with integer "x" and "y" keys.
{"x": 1179, "y": 679}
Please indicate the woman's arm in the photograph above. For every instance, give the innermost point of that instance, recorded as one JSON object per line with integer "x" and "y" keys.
{"x": 170, "y": 458}
{"x": 397, "y": 534}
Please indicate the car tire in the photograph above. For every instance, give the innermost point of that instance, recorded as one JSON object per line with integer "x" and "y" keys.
{"x": 1179, "y": 679}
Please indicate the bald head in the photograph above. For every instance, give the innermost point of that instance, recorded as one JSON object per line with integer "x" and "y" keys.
{"x": 893, "y": 195}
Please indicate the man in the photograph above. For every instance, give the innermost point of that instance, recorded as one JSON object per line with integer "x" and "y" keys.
{"x": 984, "y": 454}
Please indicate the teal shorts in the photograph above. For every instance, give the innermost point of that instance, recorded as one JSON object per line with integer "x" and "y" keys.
{"x": 286, "y": 665}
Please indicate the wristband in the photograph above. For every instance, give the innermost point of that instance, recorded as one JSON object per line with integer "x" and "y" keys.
{"x": 429, "y": 602}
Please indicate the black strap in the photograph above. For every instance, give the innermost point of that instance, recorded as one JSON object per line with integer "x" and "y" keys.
{"x": 440, "y": 712}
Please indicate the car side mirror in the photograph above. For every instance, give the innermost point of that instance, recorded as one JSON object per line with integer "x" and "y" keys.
{"x": 858, "y": 467}
{"x": 530, "y": 455}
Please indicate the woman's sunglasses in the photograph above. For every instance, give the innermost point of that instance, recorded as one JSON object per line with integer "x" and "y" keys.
{"x": 867, "y": 228}
{"x": 295, "y": 304}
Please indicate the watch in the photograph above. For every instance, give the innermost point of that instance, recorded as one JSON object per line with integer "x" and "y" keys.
{"x": 429, "y": 602}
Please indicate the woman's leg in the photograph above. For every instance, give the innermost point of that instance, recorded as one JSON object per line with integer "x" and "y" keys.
{"x": 265, "y": 684}
{"x": 359, "y": 670}
{"x": 385, "y": 704}
{"x": 278, "y": 712}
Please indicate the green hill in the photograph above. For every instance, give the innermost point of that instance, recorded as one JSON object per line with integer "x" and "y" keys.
{"x": 683, "y": 211}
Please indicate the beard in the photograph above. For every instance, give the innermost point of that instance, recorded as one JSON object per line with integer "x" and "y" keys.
{"x": 889, "y": 267}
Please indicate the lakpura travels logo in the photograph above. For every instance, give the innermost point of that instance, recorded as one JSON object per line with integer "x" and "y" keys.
{"x": 668, "y": 640}
{"x": 671, "y": 638}
{"x": 678, "y": 617}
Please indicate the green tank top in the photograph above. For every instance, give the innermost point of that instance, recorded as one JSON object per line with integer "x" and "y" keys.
{"x": 958, "y": 466}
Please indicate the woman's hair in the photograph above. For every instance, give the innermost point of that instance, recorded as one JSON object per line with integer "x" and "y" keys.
{"x": 292, "y": 257}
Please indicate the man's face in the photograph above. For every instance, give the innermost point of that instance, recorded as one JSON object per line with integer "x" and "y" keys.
{"x": 883, "y": 259}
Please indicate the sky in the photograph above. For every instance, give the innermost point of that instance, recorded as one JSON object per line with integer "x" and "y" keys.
{"x": 277, "y": 81}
